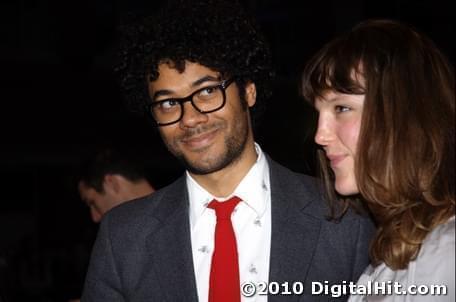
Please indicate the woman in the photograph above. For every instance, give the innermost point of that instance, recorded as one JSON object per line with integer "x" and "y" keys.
{"x": 385, "y": 97}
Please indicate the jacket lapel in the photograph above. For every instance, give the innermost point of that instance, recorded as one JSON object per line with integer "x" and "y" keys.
{"x": 170, "y": 246}
{"x": 295, "y": 233}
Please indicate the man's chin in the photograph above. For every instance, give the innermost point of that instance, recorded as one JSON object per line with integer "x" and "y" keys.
{"x": 204, "y": 166}
{"x": 200, "y": 169}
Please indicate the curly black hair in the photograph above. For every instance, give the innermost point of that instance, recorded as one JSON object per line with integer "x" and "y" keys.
{"x": 217, "y": 34}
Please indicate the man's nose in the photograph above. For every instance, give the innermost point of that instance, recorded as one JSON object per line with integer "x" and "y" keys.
{"x": 191, "y": 116}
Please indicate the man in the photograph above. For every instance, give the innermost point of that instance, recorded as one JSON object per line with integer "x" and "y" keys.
{"x": 205, "y": 67}
{"x": 109, "y": 179}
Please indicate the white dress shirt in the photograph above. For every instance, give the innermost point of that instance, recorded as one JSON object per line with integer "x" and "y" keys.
{"x": 434, "y": 265}
{"x": 251, "y": 221}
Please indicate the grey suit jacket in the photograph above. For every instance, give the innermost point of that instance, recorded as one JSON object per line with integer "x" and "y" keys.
{"x": 143, "y": 249}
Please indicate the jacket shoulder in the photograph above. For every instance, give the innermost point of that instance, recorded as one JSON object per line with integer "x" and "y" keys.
{"x": 287, "y": 176}
{"x": 308, "y": 192}
{"x": 142, "y": 212}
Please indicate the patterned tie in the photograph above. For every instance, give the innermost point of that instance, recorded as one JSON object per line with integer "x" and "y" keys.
{"x": 224, "y": 283}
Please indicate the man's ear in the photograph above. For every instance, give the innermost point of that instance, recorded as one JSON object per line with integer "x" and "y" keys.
{"x": 250, "y": 93}
{"x": 111, "y": 183}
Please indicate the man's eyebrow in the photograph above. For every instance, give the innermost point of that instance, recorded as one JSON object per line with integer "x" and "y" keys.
{"x": 207, "y": 78}
{"x": 161, "y": 93}
{"x": 165, "y": 92}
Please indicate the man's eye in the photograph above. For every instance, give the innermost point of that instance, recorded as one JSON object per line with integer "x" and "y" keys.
{"x": 207, "y": 91}
{"x": 340, "y": 108}
{"x": 168, "y": 104}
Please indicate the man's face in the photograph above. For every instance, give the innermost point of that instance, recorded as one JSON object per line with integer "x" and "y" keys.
{"x": 205, "y": 143}
{"x": 99, "y": 203}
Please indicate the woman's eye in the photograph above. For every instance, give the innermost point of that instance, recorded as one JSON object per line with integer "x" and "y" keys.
{"x": 340, "y": 108}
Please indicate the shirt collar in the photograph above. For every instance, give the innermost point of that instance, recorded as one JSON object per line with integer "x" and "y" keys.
{"x": 253, "y": 189}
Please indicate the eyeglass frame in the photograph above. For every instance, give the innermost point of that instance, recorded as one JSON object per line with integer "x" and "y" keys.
{"x": 222, "y": 86}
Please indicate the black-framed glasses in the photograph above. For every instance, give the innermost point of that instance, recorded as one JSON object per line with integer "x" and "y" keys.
{"x": 205, "y": 100}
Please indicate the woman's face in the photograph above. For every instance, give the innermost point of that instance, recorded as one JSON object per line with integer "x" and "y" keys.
{"x": 339, "y": 122}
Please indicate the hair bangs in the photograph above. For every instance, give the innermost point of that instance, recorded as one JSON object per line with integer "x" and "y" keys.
{"x": 333, "y": 68}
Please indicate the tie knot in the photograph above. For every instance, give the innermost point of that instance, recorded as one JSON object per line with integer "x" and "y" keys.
{"x": 224, "y": 209}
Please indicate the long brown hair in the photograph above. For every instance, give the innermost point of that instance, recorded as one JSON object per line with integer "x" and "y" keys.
{"x": 404, "y": 164}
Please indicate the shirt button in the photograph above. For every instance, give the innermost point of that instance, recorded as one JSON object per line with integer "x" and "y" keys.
{"x": 252, "y": 269}
{"x": 264, "y": 186}
{"x": 203, "y": 249}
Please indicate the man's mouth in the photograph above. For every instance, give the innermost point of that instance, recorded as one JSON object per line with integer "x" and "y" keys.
{"x": 200, "y": 140}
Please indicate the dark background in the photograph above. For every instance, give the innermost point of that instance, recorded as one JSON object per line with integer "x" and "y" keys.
{"x": 59, "y": 100}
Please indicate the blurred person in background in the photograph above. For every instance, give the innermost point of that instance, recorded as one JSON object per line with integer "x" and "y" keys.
{"x": 110, "y": 178}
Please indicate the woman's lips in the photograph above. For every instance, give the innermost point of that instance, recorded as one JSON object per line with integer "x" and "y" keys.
{"x": 335, "y": 159}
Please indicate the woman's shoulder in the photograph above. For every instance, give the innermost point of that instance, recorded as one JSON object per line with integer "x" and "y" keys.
{"x": 440, "y": 240}
{"x": 435, "y": 265}
{"x": 436, "y": 259}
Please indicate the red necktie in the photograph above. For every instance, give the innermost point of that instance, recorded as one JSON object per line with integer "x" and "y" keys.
{"x": 224, "y": 283}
